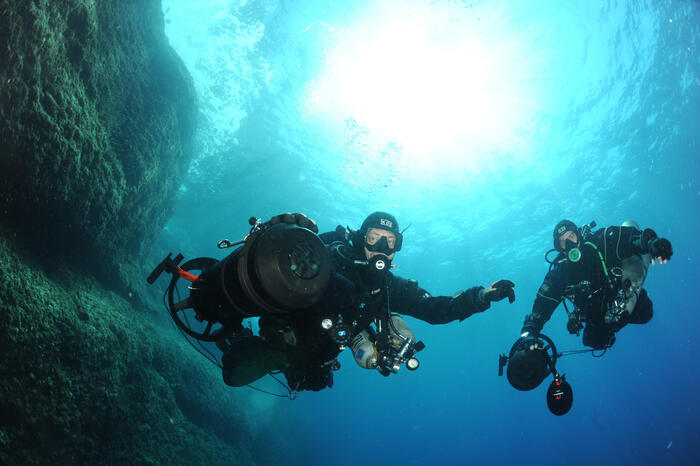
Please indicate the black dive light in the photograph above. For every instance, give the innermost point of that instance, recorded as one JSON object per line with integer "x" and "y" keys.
{"x": 529, "y": 362}
{"x": 277, "y": 269}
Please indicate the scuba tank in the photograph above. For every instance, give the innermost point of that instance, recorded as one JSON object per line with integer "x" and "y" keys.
{"x": 399, "y": 332}
{"x": 278, "y": 269}
{"x": 364, "y": 351}
{"x": 631, "y": 276}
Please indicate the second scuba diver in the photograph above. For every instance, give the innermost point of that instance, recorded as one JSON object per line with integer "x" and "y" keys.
{"x": 602, "y": 273}
{"x": 359, "y": 309}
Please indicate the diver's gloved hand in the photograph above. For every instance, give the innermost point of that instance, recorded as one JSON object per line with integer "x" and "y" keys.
{"x": 314, "y": 379}
{"x": 660, "y": 249}
{"x": 500, "y": 290}
{"x": 295, "y": 219}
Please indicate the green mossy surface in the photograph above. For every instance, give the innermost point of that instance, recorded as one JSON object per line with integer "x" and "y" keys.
{"x": 85, "y": 378}
{"x": 97, "y": 113}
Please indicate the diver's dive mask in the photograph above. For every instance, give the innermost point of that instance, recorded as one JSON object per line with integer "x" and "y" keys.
{"x": 382, "y": 246}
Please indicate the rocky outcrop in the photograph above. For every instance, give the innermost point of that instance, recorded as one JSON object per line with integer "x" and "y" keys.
{"x": 84, "y": 379}
{"x": 97, "y": 117}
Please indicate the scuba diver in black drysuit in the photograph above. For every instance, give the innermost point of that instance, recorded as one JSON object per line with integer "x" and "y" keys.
{"x": 311, "y": 304}
{"x": 280, "y": 272}
{"x": 355, "y": 253}
{"x": 359, "y": 308}
{"x": 364, "y": 257}
{"x": 303, "y": 344}
{"x": 601, "y": 272}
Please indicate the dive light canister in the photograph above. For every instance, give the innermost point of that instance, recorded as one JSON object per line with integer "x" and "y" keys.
{"x": 364, "y": 351}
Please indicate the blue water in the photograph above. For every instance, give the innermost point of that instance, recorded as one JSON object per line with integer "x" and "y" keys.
{"x": 480, "y": 124}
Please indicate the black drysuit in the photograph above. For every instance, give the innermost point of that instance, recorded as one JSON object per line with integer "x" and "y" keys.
{"x": 585, "y": 284}
{"x": 296, "y": 344}
{"x": 404, "y": 296}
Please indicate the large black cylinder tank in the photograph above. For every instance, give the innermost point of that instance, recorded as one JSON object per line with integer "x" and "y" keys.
{"x": 284, "y": 269}
{"x": 279, "y": 270}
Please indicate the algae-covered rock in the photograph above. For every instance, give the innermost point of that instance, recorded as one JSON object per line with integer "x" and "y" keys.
{"x": 84, "y": 379}
{"x": 97, "y": 116}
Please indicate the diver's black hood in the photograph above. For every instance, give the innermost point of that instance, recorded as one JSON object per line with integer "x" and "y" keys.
{"x": 380, "y": 220}
{"x": 561, "y": 228}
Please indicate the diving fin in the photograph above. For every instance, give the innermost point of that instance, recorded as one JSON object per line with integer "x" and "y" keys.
{"x": 168, "y": 265}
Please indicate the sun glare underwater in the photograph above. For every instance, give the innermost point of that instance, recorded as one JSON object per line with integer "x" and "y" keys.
{"x": 418, "y": 78}
{"x": 479, "y": 125}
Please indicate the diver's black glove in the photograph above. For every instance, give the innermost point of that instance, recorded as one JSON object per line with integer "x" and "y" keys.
{"x": 500, "y": 290}
{"x": 660, "y": 247}
{"x": 314, "y": 379}
{"x": 295, "y": 219}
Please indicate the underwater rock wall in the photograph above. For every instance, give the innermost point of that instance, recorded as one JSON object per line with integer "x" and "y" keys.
{"x": 97, "y": 116}
{"x": 84, "y": 379}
